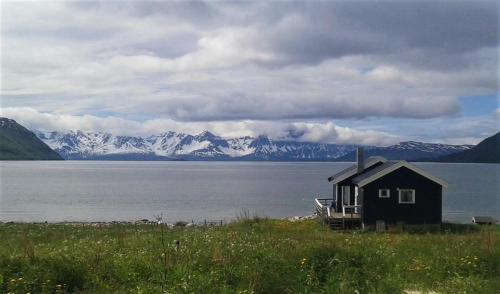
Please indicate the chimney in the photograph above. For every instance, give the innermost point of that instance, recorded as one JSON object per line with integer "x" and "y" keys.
{"x": 360, "y": 159}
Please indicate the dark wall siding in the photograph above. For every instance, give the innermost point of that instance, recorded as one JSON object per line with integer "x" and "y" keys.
{"x": 348, "y": 182}
{"x": 427, "y": 208}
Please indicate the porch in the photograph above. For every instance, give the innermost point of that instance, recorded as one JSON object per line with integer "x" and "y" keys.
{"x": 350, "y": 217}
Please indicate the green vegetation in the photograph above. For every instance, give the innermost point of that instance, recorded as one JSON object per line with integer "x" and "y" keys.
{"x": 248, "y": 256}
{"x": 18, "y": 143}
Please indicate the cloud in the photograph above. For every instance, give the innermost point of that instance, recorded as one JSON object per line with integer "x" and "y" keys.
{"x": 326, "y": 132}
{"x": 336, "y": 72}
{"x": 213, "y": 61}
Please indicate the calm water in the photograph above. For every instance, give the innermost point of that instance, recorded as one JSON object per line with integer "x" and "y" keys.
{"x": 104, "y": 191}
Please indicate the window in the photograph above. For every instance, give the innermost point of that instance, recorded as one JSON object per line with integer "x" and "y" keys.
{"x": 406, "y": 196}
{"x": 384, "y": 193}
{"x": 346, "y": 195}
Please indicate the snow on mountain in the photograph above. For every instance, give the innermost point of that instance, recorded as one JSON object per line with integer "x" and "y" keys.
{"x": 87, "y": 144}
{"x": 207, "y": 146}
{"x": 238, "y": 147}
{"x": 165, "y": 144}
{"x": 204, "y": 146}
{"x": 429, "y": 147}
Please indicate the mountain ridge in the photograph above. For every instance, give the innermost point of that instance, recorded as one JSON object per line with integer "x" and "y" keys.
{"x": 18, "y": 143}
{"x": 411, "y": 151}
{"x": 487, "y": 151}
{"x": 208, "y": 146}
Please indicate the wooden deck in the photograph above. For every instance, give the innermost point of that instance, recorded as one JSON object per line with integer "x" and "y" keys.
{"x": 349, "y": 216}
{"x": 347, "y": 219}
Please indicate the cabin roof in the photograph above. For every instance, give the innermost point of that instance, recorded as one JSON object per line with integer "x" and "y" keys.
{"x": 374, "y": 171}
{"x": 388, "y": 167}
{"x": 352, "y": 170}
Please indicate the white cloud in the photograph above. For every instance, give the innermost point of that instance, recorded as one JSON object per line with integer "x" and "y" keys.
{"x": 245, "y": 68}
{"x": 326, "y": 132}
{"x": 199, "y": 62}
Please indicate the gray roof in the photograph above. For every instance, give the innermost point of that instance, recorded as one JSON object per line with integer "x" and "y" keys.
{"x": 374, "y": 171}
{"x": 353, "y": 168}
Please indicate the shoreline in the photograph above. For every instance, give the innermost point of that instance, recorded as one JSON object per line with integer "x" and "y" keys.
{"x": 145, "y": 221}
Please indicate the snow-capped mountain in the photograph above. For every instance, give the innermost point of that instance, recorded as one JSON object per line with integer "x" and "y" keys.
{"x": 172, "y": 145}
{"x": 207, "y": 146}
{"x": 410, "y": 150}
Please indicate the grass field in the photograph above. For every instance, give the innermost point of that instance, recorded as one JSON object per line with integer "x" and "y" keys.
{"x": 249, "y": 256}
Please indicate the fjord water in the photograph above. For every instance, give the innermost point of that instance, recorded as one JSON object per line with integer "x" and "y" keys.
{"x": 34, "y": 191}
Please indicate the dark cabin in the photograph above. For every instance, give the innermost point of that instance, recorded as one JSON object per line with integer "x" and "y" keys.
{"x": 377, "y": 190}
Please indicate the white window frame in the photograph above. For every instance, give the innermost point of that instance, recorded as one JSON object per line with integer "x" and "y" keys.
{"x": 388, "y": 193}
{"x": 348, "y": 193}
{"x": 413, "y": 193}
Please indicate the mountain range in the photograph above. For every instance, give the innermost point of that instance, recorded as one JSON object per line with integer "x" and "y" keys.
{"x": 207, "y": 146}
{"x": 18, "y": 143}
{"x": 411, "y": 151}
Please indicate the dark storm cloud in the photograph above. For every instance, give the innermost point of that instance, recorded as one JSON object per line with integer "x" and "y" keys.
{"x": 419, "y": 30}
{"x": 310, "y": 32}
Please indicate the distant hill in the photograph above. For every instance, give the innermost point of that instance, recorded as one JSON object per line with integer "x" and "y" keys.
{"x": 487, "y": 151}
{"x": 410, "y": 150}
{"x": 18, "y": 143}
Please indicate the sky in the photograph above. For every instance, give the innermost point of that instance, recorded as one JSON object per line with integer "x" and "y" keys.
{"x": 373, "y": 73}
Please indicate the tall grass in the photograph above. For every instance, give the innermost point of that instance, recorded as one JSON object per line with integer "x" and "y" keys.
{"x": 252, "y": 255}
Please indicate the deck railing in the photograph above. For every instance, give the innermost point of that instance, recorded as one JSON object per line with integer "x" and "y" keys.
{"x": 323, "y": 206}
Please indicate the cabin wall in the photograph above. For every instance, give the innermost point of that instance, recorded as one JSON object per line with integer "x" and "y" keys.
{"x": 427, "y": 208}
